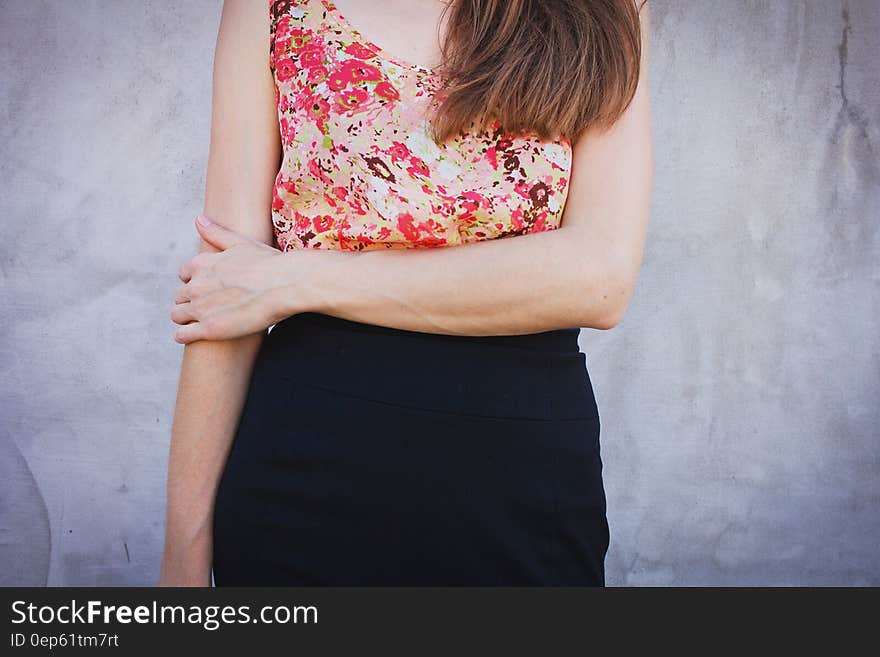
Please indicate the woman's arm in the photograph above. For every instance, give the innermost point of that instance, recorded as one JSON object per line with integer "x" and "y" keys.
{"x": 242, "y": 164}
{"x": 580, "y": 275}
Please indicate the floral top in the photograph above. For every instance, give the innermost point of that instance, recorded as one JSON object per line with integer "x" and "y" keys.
{"x": 359, "y": 170}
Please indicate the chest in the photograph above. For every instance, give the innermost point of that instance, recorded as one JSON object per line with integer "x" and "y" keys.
{"x": 358, "y": 152}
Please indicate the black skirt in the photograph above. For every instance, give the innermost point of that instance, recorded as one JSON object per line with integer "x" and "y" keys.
{"x": 372, "y": 456}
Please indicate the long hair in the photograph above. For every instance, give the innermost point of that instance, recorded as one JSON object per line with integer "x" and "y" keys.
{"x": 552, "y": 67}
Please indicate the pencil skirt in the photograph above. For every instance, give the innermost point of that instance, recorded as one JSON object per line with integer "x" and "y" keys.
{"x": 374, "y": 456}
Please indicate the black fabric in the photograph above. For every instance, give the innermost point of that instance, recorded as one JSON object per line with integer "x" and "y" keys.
{"x": 367, "y": 455}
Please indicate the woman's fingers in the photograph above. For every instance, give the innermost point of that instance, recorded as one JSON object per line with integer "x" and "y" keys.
{"x": 182, "y": 294}
{"x": 182, "y": 313}
{"x": 188, "y": 268}
{"x": 191, "y": 332}
{"x": 185, "y": 272}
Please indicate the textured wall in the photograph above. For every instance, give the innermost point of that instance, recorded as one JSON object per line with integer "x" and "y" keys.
{"x": 738, "y": 397}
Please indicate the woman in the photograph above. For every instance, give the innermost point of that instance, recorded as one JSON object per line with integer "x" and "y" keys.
{"x": 423, "y": 225}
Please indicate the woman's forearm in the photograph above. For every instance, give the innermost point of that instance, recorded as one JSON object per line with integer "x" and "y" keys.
{"x": 212, "y": 389}
{"x": 523, "y": 284}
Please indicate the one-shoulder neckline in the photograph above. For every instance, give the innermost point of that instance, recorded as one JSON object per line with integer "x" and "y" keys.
{"x": 344, "y": 22}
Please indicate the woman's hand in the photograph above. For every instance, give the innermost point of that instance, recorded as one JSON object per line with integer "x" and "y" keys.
{"x": 229, "y": 293}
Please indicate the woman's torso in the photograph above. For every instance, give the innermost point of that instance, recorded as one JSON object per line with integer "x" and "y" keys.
{"x": 359, "y": 170}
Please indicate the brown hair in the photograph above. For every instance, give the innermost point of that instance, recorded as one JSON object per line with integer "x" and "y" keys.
{"x": 552, "y": 68}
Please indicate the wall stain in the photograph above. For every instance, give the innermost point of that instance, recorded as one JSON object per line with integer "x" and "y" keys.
{"x": 849, "y": 114}
{"x": 850, "y": 171}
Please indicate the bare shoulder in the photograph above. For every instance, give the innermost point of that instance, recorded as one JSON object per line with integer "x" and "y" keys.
{"x": 247, "y": 17}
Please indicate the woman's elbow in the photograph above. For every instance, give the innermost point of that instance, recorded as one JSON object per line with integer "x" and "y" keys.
{"x": 606, "y": 317}
{"x": 604, "y": 306}
{"x": 611, "y": 318}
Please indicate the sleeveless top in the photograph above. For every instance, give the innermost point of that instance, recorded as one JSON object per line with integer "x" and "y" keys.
{"x": 359, "y": 170}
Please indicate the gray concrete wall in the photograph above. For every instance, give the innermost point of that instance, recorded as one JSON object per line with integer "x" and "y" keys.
{"x": 738, "y": 397}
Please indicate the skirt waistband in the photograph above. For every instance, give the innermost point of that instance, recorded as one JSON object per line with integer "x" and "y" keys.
{"x": 540, "y": 376}
{"x": 560, "y": 340}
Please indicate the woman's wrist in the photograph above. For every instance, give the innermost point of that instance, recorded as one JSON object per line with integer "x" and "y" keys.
{"x": 301, "y": 272}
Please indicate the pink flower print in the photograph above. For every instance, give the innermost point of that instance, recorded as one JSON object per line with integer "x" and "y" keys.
{"x": 418, "y": 167}
{"x": 504, "y": 143}
{"x": 516, "y": 220}
{"x": 288, "y": 130}
{"x": 323, "y": 223}
{"x": 358, "y": 70}
{"x": 398, "y": 151}
{"x": 351, "y": 99}
{"x": 311, "y": 56}
{"x": 315, "y": 170}
{"x": 358, "y": 206}
{"x": 387, "y": 91}
{"x": 538, "y": 193}
{"x": 467, "y": 218}
{"x": 523, "y": 188}
{"x": 317, "y": 74}
{"x": 472, "y": 201}
{"x": 283, "y": 101}
{"x": 343, "y": 122}
{"x": 405, "y": 223}
{"x": 302, "y": 221}
{"x": 283, "y": 29}
{"x": 318, "y": 110}
{"x": 299, "y": 38}
{"x": 338, "y": 80}
{"x": 430, "y": 240}
{"x": 359, "y": 51}
{"x": 280, "y": 9}
{"x": 492, "y": 157}
{"x": 285, "y": 69}
{"x": 278, "y": 201}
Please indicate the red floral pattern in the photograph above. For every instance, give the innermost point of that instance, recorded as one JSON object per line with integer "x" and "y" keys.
{"x": 359, "y": 170}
